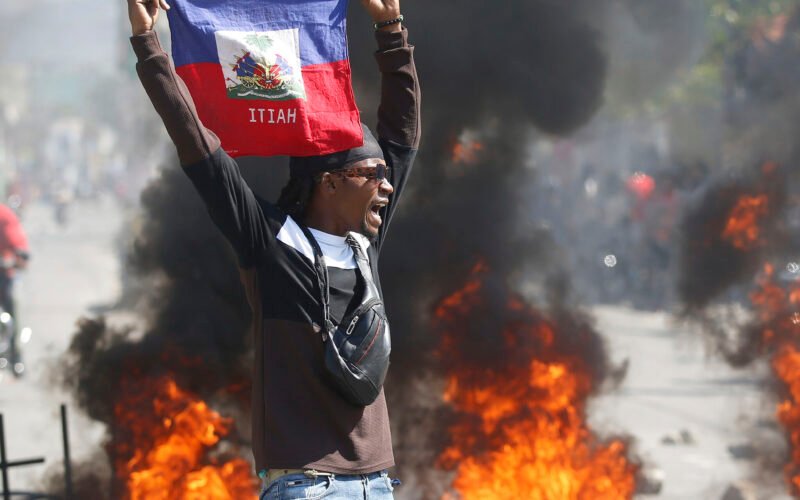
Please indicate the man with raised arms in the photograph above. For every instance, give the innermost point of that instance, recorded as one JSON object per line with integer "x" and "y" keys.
{"x": 308, "y": 440}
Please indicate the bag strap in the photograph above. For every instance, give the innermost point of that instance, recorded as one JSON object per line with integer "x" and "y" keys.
{"x": 362, "y": 262}
{"x": 323, "y": 278}
{"x": 322, "y": 281}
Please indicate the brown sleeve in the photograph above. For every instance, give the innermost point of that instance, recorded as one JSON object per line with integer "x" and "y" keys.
{"x": 172, "y": 101}
{"x": 399, "y": 111}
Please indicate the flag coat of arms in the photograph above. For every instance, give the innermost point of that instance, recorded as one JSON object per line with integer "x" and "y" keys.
{"x": 269, "y": 77}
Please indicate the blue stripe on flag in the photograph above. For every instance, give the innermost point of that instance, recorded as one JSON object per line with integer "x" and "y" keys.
{"x": 321, "y": 24}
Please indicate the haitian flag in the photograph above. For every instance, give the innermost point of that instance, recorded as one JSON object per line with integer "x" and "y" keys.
{"x": 269, "y": 77}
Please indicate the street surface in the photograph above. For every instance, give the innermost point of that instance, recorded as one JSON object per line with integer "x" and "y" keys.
{"x": 72, "y": 270}
{"x": 673, "y": 384}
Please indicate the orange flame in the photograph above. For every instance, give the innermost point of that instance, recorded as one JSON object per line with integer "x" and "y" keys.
{"x": 786, "y": 365}
{"x": 524, "y": 433}
{"x": 165, "y": 455}
{"x": 742, "y": 229}
{"x": 778, "y": 312}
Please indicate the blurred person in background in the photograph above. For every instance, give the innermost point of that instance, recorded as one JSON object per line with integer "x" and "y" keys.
{"x": 654, "y": 212}
{"x": 61, "y": 202}
{"x": 14, "y": 193}
{"x": 15, "y": 255}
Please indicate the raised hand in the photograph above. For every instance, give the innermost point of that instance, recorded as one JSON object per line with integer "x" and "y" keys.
{"x": 143, "y": 14}
{"x": 383, "y": 10}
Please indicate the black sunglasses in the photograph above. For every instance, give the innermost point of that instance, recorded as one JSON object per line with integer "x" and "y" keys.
{"x": 379, "y": 172}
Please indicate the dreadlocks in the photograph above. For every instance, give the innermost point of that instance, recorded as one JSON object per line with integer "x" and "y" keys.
{"x": 295, "y": 196}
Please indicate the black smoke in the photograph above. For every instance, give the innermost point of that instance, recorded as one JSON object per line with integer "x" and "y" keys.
{"x": 538, "y": 62}
{"x": 711, "y": 263}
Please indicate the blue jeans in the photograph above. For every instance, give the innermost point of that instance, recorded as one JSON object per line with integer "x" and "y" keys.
{"x": 375, "y": 486}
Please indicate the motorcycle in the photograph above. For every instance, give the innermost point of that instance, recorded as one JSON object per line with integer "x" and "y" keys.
{"x": 11, "y": 343}
{"x": 12, "y": 337}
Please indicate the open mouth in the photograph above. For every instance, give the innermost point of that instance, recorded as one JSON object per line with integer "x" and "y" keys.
{"x": 375, "y": 212}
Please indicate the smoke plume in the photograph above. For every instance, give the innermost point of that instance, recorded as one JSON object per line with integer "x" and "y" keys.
{"x": 711, "y": 262}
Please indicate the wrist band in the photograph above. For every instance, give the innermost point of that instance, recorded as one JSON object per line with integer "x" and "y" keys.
{"x": 384, "y": 24}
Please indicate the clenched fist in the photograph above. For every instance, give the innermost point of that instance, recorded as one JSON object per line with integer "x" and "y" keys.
{"x": 383, "y": 10}
{"x": 143, "y": 14}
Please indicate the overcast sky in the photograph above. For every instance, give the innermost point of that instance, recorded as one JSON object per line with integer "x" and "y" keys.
{"x": 61, "y": 34}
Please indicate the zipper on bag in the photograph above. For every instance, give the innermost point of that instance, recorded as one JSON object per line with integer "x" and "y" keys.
{"x": 351, "y": 326}
{"x": 358, "y": 313}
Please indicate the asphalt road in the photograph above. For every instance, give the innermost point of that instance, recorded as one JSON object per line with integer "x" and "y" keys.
{"x": 676, "y": 385}
{"x": 73, "y": 269}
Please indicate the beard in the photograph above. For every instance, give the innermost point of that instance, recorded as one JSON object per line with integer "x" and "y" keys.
{"x": 368, "y": 231}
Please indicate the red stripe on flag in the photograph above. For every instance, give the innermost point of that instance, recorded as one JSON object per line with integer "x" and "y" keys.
{"x": 328, "y": 121}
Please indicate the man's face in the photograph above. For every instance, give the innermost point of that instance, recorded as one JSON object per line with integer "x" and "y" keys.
{"x": 360, "y": 196}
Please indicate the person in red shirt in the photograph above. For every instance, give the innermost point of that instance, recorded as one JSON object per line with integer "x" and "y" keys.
{"x": 14, "y": 255}
{"x": 13, "y": 242}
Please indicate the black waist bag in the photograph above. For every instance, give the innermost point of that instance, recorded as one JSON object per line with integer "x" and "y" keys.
{"x": 357, "y": 351}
